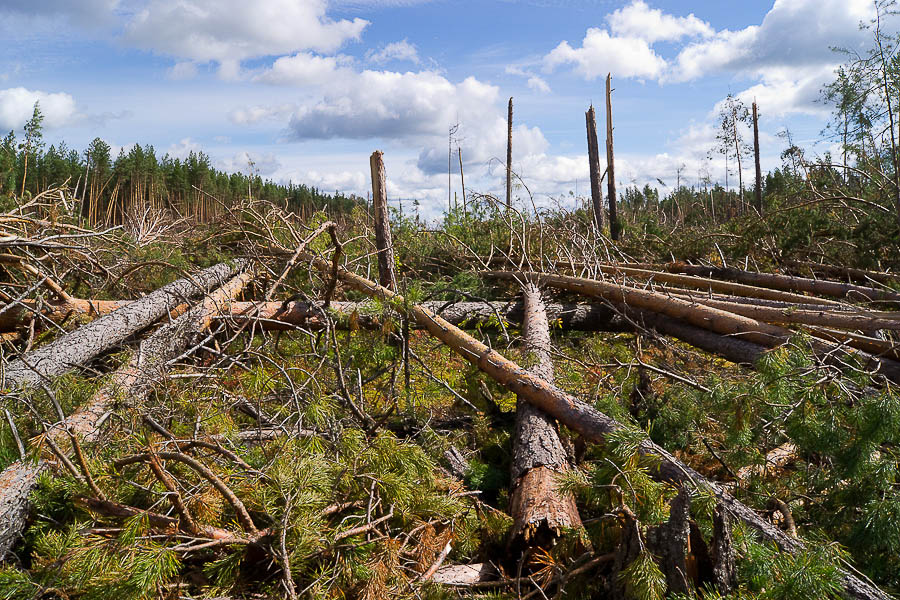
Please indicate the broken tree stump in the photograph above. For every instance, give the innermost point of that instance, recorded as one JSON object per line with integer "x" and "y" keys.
{"x": 539, "y": 509}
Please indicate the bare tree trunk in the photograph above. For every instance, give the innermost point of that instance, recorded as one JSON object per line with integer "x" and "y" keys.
{"x": 86, "y": 342}
{"x": 584, "y": 419}
{"x": 594, "y": 167}
{"x": 611, "y": 165}
{"x": 383, "y": 241}
{"x": 462, "y": 180}
{"x": 540, "y": 511}
{"x": 737, "y": 153}
{"x": 133, "y": 382}
{"x": 509, "y": 127}
{"x": 759, "y": 206}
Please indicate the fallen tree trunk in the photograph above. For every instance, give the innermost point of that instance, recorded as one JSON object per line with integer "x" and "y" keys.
{"x": 788, "y": 283}
{"x": 695, "y": 313}
{"x": 858, "y": 275}
{"x": 86, "y": 342}
{"x": 539, "y": 510}
{"x": 742, "y": 288}
{"x": 794, "y": 316}
{"x": 584, "y": 419}
{"x": 276, "y": 316}
{"x": 133, "y": 382}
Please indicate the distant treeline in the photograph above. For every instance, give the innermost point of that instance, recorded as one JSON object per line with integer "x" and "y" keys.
{"x": 109, "y": 190}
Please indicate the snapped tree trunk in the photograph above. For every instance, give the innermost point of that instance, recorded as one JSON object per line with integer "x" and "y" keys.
{"x": 539, "y": 510}
{"x": 758, "y": 194}
{"x": 509, "y": 121}
{"x": 594, "y": 167}
{"x": 86, "y": 342}
{"x": 133, "y": 382}
{"x": 383, "y": 243}
{"x": 584, "y": 419}
{"x": 611, "y": 164}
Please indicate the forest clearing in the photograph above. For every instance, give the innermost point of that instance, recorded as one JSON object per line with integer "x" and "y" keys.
{"x": 218, "y": 386}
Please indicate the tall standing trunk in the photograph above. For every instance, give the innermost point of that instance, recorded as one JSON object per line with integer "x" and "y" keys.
{"x": 383, "y": 242}
{"x": 509, "y": 122}
{"x": 462, "y": 180}
{"x": 737, "y": 153}
{"x": 594, "y": 167}
{"x": 759, "y": 206}
{"x": 611, "y": 164}
{"x": 539, "y": 509}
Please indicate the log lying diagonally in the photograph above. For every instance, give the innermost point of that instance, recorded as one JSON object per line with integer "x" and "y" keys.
{"x": 584, "y": 419}
{"x": 539, "y": 509}
{"x": 90, "y": 340}
{"x": 695, "y": 313}
{"x": 133, "y": 381}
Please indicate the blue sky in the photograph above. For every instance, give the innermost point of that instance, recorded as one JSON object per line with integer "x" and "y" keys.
{"x": 308, "y": 88}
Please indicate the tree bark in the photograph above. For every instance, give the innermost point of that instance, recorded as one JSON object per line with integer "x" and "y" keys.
{"x": 383, "y": 243}
{"x": 700, "y": 279}
{"x": 594, "y": 168}
{"x": 539, "y": 510}
{"x": 584, "y": 419}
{"x": 611, "y": 165}
{"x": 509, "y": 129}
{"x": 787, "y": 283}
{"x": 695, "y": 313}
{"x": 133, "y": 382}
{"x": 758, "y": 194}
{"x": 86, "y": 342}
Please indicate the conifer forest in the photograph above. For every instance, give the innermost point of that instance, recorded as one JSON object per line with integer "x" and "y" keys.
{"x": 219, "y": 386}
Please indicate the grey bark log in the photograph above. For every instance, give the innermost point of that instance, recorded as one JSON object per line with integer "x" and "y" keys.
{"x": 134, "y": 382}
{"x": 90, "y": 340}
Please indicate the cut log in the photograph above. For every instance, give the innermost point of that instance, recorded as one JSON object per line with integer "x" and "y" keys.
{"x": 776, "y": 458}
{"x": 540, "y": 511}
{"x": 584, "y": 419}
{"x": 87, "y": 342}
{"x": 133, "y": 381}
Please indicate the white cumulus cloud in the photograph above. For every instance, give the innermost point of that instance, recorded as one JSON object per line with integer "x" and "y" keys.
{"x": 601, "y": 53}
{"x": 231, "y": 31}
{"x": 638, "y": 20}
{"x": 395, "y": 51}
{"x": 17, "y": 106}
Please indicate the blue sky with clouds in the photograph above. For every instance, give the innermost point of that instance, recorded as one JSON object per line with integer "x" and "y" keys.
{"x": 308, "y": 88}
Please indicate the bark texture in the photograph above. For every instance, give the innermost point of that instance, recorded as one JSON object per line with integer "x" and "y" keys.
{"x": 90, "y": 340}
{"x": 132, "y": 382}
{"x": 383, "y": 242}
{"x": 611, "y": 165}
{"x": 540, "y": 511}
{"x": 594, "y": 167}
{"x": 586, "y": 420}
